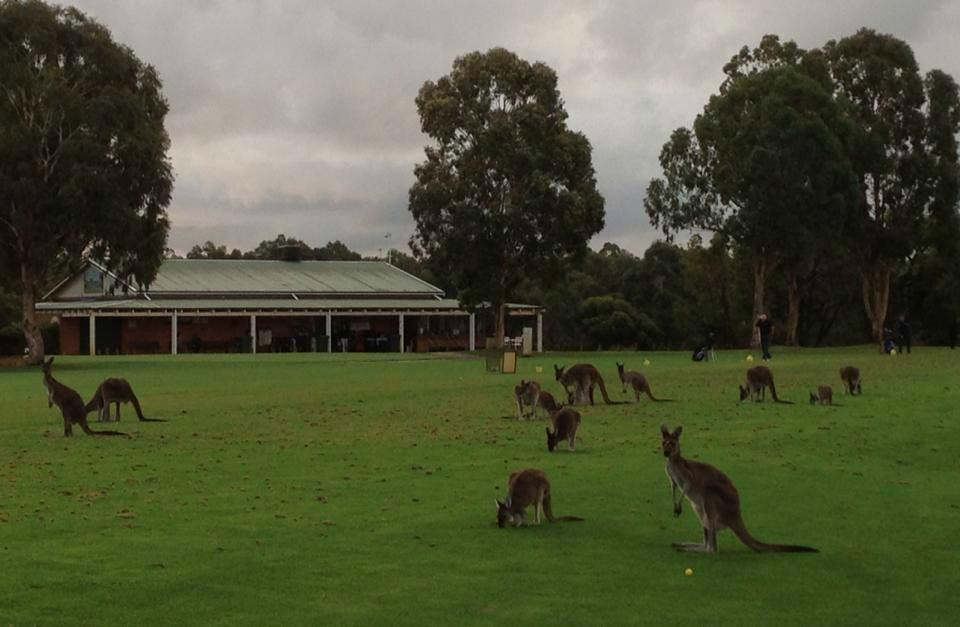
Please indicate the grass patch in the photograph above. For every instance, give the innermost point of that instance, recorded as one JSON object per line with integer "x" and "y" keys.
{"x": 358, "y": 489}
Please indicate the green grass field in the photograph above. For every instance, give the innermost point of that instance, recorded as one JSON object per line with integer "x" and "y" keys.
{"x": 317, "y": 489}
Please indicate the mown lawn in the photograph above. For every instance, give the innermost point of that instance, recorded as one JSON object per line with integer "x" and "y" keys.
{"x": 315, "y": 489}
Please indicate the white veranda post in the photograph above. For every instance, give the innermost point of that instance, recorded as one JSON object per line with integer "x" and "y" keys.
{"x": 173, "y": 334}
{"x": 402, "y": 346}
{"x": 539, "y": 332}
{"x": 93, "y": 334}
{"x": 473, "y": 332}
{"x": 253, "y": 334}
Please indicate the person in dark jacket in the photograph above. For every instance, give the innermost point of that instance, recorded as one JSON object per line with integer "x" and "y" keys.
{"x": 903, "y": 334}
{"x": 765, "y": 330}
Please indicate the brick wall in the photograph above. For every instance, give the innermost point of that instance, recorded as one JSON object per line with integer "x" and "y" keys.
{"x": 144, "y": 335}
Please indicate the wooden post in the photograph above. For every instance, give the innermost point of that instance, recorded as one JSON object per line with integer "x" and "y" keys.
{"x": 93, "y": 334}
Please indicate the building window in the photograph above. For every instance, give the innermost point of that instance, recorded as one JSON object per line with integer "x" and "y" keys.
{"x": 92, "y": 281}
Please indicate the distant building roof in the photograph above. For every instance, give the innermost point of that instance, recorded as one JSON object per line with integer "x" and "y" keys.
{"x": 215, "y": 276}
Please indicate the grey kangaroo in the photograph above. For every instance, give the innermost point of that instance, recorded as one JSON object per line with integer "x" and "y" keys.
{"x": 69, "y": 403}
{"x": 851, "y": 380}
{"x": 565, "y": 421}
{"x": 579, "y": 380}
{"x": 639, "y": 384}
{"x": 712, "y": 496}
{"x": 524, "y": 488}
{"x": 115, "y": 391}
{"x": 759, "y": 378}
{"x": 824, "y": 395}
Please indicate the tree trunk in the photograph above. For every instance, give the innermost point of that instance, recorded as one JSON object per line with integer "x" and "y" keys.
{"x": 31, "y": 331}
{"x": 500, "y": 325}
{"x": 875, "y": 289}
{"x": 793, "y": 308}
{"x": 760, "y": 271}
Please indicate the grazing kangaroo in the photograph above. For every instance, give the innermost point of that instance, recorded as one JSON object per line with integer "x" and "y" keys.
{"x": 712, "y": 496}
{"x": 638, "y": 382}
{"x": 526, "y": 393}
{"x": 115, "y": 391}
{"x": 565, "y": 421}
{"x": 579, "y": 381}
{"x": 758, "y": 379}
{"x": 69, "y": 403}
{"x": 524, "y": 488}
{"x": 851, "y": 380}
{"x": 548, "y": 403}
{"x": 824, "y": 395}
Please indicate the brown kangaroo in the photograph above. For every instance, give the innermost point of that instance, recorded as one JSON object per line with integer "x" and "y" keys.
{"x": 639, "y": 384}
{"x": 115, "y": 391}
{"x": 526, "y": 393}
{"x": 851, "y": 380}
{"x": 712, "y": 496}
{"x": 548, "y": 403}
{"x": 527, "y": 487}
{"x": 824, "y": 395}
{"x": 579, "y": 380}
{"x": 565, "y": 421}
{"x": 69, "y": 403}
{"x": 758, "y": 379}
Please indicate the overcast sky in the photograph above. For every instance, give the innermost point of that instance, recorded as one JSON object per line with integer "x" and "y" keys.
{"x": 298, "y": 116}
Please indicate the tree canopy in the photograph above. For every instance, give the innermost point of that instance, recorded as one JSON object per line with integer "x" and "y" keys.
{"x": 506, "y": 188}
{"x": 83, "y": 153}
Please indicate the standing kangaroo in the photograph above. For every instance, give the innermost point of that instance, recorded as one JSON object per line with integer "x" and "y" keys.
{"x": 824, "y": 395}
{"x": 69, "y": 403}
{"x": 851, "y": 380}
{"x": 758, "y": 379}
{"x": 524, "y": 488}
{"x": 579, "y": 380}
{"x": 115, "y": 391}
{"x": 526, "y": 393}
{"x": 565, "y": 421}
{"x": 712, "y": 496}
{"x": 638, "y": 382}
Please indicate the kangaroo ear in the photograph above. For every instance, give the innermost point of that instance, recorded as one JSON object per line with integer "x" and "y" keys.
{"x": 49, "y": 362}
{"x": 508, "y": 501}
{"x": 664, "y": 430}
{"x": 498, "y": 504}
{"x": 677, "y": 432}
{"x": 548, "y": 431}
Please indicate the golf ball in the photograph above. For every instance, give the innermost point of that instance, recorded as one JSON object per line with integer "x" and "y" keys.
{"x": 688, "y": 572}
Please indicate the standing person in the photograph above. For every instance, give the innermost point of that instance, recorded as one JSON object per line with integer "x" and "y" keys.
{"x": 765, "y": 329}
{"x": 903, "y": 334}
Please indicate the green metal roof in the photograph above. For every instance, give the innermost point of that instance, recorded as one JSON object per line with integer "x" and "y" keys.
{"x": 252, "y": 304}
{"x": 230, "y": 276}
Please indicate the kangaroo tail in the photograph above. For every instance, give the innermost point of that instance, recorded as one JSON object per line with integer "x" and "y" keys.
{"x": 136, "y": 406}
{"x": 659, "y": 400}
{"x": 603, "y": 392}
{"x": 773, "y": 392}
{"x": 86, "y": 429}
{"x": 547, "y": 509}
{"x": 740, "y": 530}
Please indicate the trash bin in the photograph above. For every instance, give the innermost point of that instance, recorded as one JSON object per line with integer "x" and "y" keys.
{"x": 501, "y": 360}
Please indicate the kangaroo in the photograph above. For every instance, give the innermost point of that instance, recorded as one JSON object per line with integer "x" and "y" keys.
{"x": 69, "y": 403}
{"x": 566, "y": 421}
{"x": 712, "y": 496}
{"x": 851, "y": 380}
{"x": 524, "y": 488}
{"x": 526, "y": 393}
{"x": 638, "y": 382}
{"x": 758, "y": 379}
{"x": 824, "y": 395}
{"x": 579, "y": 381}
{"x": 115, "y": 391}
{"x": 548, "y": 403}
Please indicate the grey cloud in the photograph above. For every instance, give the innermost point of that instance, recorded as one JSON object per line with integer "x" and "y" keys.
{"x": 297, "y": 116}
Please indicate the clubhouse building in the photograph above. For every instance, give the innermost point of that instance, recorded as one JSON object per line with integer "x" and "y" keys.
{"x": 206, "y": 305}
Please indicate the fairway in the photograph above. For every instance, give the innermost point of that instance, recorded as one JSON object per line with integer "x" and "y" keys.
{"x": 332, "y": 489}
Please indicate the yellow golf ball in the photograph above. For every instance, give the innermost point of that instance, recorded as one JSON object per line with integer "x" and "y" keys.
{"x": 749, "y": 357}
{"x": 688, "y": 572}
